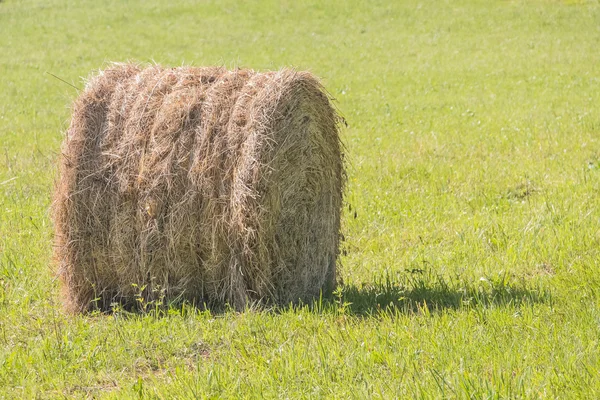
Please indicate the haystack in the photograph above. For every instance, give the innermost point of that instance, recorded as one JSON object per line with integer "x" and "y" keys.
{"x": 201, "y": 184}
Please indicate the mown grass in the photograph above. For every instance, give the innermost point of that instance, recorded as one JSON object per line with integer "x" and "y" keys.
{"x": 470, "y": 265}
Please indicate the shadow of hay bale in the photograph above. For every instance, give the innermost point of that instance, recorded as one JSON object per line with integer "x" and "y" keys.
{"x": 202, "y": 184}
{"x": 422, "y": 291}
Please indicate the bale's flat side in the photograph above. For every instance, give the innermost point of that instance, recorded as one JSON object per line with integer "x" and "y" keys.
{"x": 290, "y": 182}
{"x": 202, "y": 184}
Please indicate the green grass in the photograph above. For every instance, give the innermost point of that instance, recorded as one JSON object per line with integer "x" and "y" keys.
{"x": 472, "y": 223}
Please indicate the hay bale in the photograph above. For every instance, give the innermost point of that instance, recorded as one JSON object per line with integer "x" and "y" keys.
{"x": 213, "y": 186}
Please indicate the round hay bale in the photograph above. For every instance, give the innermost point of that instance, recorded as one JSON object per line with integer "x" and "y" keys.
{"x": 201, "y": 184}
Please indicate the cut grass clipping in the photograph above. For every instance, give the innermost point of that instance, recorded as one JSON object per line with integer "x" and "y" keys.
{"x": 201, "y": 184}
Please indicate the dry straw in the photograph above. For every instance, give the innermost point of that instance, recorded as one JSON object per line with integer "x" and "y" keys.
{"x": 201, "y": 184}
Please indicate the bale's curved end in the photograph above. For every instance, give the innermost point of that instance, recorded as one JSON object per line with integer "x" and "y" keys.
{"x": 213, "y": 186}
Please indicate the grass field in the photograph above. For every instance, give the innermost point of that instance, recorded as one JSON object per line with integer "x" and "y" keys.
{"x": 472, "y": 223}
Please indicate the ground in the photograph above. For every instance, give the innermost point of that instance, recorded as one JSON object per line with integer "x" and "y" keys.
{"x": 472, "y": 213}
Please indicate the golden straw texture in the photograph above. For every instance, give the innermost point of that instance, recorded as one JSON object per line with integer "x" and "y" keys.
{"x": 201, "y": 184}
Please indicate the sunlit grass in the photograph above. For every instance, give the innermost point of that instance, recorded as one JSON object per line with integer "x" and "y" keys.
{"x": 470, "y": 266}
